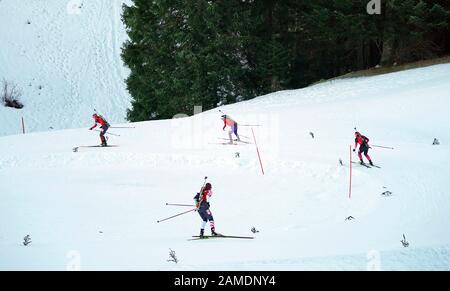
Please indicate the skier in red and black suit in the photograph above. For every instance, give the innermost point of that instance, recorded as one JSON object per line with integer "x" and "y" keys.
{"x": 202, "y": 203}
{"x": 104, "y": 125}
{"x": 364, "y": 147}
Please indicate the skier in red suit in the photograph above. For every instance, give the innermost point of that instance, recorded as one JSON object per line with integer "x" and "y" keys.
{"x": 104, "y": 125}
{"x": 202, "y": 203}
{"x": 364, "y": 147}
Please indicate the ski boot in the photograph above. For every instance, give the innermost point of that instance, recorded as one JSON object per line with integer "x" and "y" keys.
{"x": 370, "y": 162}
{"x": 361, "y": 162}
{"x": 213, "y": 232}
{"x": 202, "y": 233}
{"x": 104, "y": 144}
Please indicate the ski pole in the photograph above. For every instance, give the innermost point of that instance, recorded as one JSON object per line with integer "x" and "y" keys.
{"x": 108, "y": 132}
{"x": 249, "y": 125}
{"x": 174, "y": 204}
{"x": 383, "y": 147}
{"x": 122, "y": 127}
{"x": 158, "y": 221}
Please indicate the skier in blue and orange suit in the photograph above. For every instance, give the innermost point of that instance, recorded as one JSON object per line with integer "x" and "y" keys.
{"x": 364, "y": 147}
{"x": 104, "y": 125}
{"x": 202, "y": 203}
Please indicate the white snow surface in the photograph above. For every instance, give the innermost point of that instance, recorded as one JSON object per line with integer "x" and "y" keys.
{"x": 97, "y": 209}
{"x": 65, "y": 55}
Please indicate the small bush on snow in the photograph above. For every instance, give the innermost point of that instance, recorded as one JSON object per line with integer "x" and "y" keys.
{"x": 10, "y": 94}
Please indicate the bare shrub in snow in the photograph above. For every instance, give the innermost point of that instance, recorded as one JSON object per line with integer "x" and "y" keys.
{"x": 10, "y": 94}
{"x": 386, "y": 193}
{"x": 26, "y": 240}
{"x": 404, "y": 242}
{"x": 172, "y": 257}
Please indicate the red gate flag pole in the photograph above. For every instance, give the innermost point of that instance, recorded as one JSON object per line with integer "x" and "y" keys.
{"x": 257, "y": 150}
{"x": 350, "y": 185}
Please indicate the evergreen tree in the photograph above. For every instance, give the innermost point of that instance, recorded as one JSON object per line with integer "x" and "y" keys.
{"x": 187, "y": 53}
{"x": 183, "y": 54}
{"x": 407, "y": 27}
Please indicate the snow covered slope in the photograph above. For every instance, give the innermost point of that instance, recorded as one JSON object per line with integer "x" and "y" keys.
{"x": 65, "y": 55}
{"x": 98, "y": 208}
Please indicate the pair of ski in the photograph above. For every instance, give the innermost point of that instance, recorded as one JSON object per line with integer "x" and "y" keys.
{"x": 366, "y": 165}
{"x": 75, "y": 149}
{"x": 235, "y": 142}
{"x": 197, "y": 237}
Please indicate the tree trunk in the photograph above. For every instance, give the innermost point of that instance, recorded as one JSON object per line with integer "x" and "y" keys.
{"x": 387, "y": 56}
{"x": 388, "y": 49}
{"x": 360, "y": 52}
{"x": 269, "y": 6}
{"x": 275, "y": 84}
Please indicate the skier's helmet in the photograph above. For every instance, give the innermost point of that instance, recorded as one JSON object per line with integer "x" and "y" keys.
{"x": 357, "y": 133}
{"x": 208, "y": 186}
{"x": 224, "y": 116}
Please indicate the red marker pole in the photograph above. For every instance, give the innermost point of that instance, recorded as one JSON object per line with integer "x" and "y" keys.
{"x": 257, "y": 150}
{"x": 350, "y": 185}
